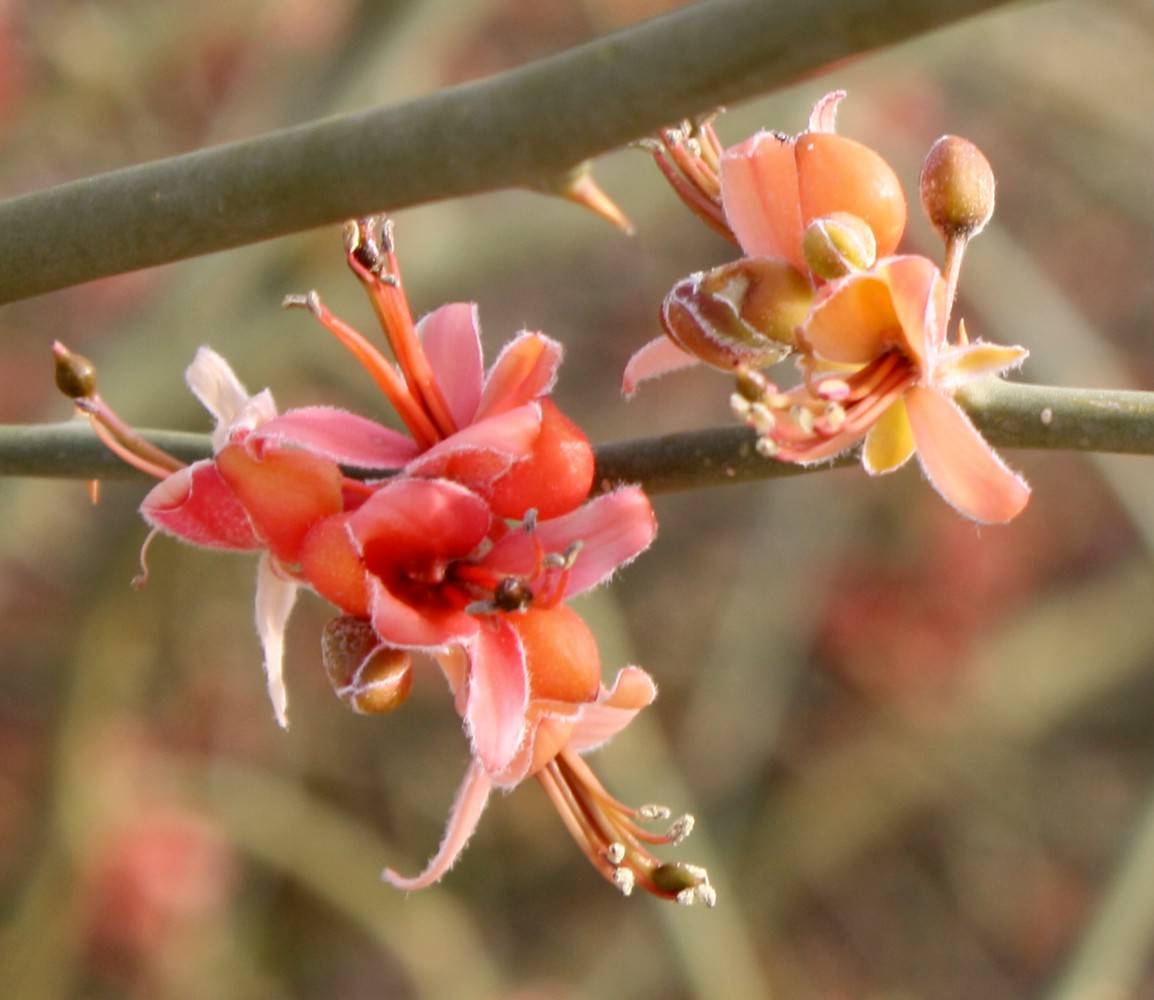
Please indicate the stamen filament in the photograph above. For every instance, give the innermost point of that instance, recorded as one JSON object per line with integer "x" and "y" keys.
{"x": 381, "y": 371}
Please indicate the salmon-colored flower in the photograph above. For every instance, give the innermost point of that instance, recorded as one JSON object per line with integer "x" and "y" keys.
{"x": 764, "y": 194}
{"x": 878, "y": 366}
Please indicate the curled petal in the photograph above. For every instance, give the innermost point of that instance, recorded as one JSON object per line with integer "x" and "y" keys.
{"x": 451, "y": 337}
{"x": 524, "y": 371}
{"x": 656, "y": 358}
{"x": 472, "y": 797}
{"x": 275, "y": 597}
{"x": 482, "y": 451}
{"x": 198, "y": 506}
{"x": 959, "y": 365}
{"x": 339, "y": 436}
{"x": 854, "y": 322}
{"x": 632, "y": 690}
{"x": 959, "y": 462}
{"x": 918, "y": 294}
{"x": 498, "y": 694}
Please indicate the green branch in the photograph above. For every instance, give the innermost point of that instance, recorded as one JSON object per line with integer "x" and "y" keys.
{"x": 1010, "y": 414}
{"x": 526, "y": 127}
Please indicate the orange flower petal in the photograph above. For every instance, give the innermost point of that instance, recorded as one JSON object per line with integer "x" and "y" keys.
{"x": 959, "y": 462}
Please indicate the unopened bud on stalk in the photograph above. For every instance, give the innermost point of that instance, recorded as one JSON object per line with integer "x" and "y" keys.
{"x": 75, "y": 374}
{"x": 368, "y": 676}
{"x": 742, "y": 314}
{"x": 957, "y": 188}
{"x": 839, "y": 243}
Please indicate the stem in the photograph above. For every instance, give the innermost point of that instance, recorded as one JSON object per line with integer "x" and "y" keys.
{"x": 1009, "y": 414}
{"x": 522, "y": 128}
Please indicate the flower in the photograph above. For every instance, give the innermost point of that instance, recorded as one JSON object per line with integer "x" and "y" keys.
{"x": 878, "y": 366}
{"x": 428, "y": 564}
{"x": 764, "y": 194}
{"x": 611, "y": 834}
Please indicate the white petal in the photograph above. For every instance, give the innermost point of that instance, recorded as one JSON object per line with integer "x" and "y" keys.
{"x": 275, "y": 597}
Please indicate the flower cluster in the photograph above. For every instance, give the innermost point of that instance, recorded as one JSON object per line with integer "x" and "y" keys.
{"x": 818, "y": 218}
{"x": 461, "y": 540}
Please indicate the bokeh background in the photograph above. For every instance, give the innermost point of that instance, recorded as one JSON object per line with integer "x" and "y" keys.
{"x": 920, "y": 753}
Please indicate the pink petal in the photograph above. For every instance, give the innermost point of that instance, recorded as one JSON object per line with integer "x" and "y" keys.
{"x": 759, "y": 191}
{"x": 427, "y": 626}
{"x": 525, "y": 370}
{"x": 498, "y": 694}
{"x": 823, "y": 118}
{"x": 220, "y": 392}
{"x": 472, "y": 797}
{"x": 632, "y": 691}
{"x": 451, "y": 337}
{"x": 613, "y": 529}
{"x": 339, "y": 436}
{"x": 198, "y": 506}
{"x": 275, "y": 597}
{"x": 653, "y": 360}
{"x": 482, "y": 451}
{"x": 853, "y": 321}
{"x": 959, "y": 462}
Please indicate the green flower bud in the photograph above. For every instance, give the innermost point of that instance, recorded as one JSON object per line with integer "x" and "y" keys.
{"x": 839, "y": 243}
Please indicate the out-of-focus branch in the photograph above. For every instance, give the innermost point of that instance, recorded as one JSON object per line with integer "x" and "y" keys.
{"x": 527, "y": 127}
{"x": 1010, "y": 414}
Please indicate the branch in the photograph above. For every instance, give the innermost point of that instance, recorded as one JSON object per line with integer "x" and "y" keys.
{"x": 1009, "y": 414}
{"x": 526, "y": 127}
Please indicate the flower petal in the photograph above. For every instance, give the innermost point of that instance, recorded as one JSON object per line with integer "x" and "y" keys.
{"x": 472, "y": 797}
{"x": 612, "y": 530}
{"x": 759, "y": 191}
{"x": 275, "y": 597}
{"x": 918, "y": 293}
{"x": 215, "y": 384}
{"x": 339, "y": 436}
{"x": 498, "y": 694}
{"x": 524, "y": 371}
{"x": 959, "y": 462}
{"x": 482, "y": 451}
{"x": 853, "y": 321}
{"x": 890, "y": 442}
{"x": 656, "y": 358}
{"x": 451, "y": 337}
{"x": 198, "y": 506}
{"x": 632, "y": 690}
{"x": 959, "y": 365}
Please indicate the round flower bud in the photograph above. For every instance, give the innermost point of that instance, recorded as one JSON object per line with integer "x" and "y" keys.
{"x": 836, "y": 244}
{"x": 741, "y": 314}
{"x": 957, "y": 188}
{"x": 368, "y": 676}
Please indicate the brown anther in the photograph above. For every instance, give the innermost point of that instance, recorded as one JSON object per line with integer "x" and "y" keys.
{"x": 512, "y": 594}
{"x": 675, "y": 877}
{"x": 752, "y": 385}
{"x": 75, "y": 374}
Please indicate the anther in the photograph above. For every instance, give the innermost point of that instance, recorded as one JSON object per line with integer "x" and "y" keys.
{"x": 681, "y": 828}
{"x": 615, "y": 853}
{"x": 835, "y": 416}
{"x": 767, "y": 447}
{"x": 653, "y": 813}
{"x": 512, "y": 594}
{"x": 624, "y": 879}
{"x": 761, "y": 418}
{"x": 739, "y": 406}
{"x": 804, "y": 419}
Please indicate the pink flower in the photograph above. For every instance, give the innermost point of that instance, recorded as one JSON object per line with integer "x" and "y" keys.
{"x": 878, "y": 366}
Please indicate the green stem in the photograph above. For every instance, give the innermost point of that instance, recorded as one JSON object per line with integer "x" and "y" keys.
{"x": 1009, "y": 414}
{"x": 522, "y": 128}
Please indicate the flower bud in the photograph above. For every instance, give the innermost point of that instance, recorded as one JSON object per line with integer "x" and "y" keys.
{"x": 744, "y": 313}
{"x": 368, "y": 676}
{"x": 836, "y": 244}
{"x": 957, "y": 188}
{"x": 75, "y": 374}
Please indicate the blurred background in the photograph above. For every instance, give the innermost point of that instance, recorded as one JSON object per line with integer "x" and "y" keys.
{"x": 920, "y": 753}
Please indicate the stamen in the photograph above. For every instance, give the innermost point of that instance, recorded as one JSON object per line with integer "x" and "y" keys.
{"x": 396, "y": 391}
{"x": 615, "y": 853}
